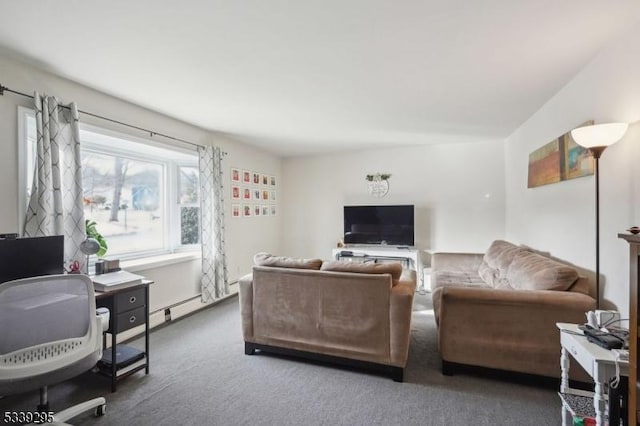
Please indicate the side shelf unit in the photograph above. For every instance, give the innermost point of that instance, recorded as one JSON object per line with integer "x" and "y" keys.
{"x": 129, "y": 308}
{"x": 634, "y": 358}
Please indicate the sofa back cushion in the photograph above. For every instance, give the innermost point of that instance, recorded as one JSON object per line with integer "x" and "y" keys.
{"x": 496, "y": 262}
{"x": 393, "y": 269}
{"x": 531, "y": 271}
{"x": 266, "y": 259}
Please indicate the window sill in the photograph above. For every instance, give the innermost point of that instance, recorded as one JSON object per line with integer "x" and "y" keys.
{"x": 145, "y": 263}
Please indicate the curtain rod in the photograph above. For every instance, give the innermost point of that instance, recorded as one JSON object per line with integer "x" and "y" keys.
{"x": 151, "y": 132}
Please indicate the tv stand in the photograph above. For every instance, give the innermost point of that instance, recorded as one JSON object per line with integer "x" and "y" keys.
{"x": 409, "y": 255}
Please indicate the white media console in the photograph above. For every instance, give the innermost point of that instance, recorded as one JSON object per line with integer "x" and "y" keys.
{"x": 410, "y": 255}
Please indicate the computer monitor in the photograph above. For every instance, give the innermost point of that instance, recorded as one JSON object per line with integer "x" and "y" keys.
{"x": 31, "y": 257}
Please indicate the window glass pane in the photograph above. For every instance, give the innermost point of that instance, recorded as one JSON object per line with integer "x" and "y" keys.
{"x": 188, "y": 185}
{"x": 189, "y": 225}
{"x": 124, "y": 197}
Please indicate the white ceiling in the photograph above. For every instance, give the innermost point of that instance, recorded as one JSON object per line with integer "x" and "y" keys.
{"x": 303, "y": 77}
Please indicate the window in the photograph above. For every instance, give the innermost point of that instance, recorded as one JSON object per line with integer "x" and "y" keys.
{"x": 143, "y": 196}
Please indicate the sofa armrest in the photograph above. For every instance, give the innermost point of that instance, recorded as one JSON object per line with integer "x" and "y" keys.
{"x": 488, "y": 327}
{"x": 456, "y": 262}
{"x": 400, "y": 309}
{"x": 246, "y": 305}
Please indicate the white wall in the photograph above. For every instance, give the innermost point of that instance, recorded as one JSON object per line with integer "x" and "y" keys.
{"x": 173, "y": 283}
{"x": 457, "y": 190}
{"x": 560, "y": 218}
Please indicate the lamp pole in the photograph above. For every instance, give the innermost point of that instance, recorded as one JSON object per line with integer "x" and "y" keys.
{"x": 596, "y": 152}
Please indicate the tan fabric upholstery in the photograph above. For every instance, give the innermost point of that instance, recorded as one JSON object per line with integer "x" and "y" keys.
{"x": 266, "y": 259}
{"x": 509, "y": 322}
{"x": 352, "y": 315}
{"x": 393, "y": 269}
{"x": 531, "y": 271}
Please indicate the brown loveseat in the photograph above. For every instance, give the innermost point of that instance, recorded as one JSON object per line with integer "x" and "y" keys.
{"x": 499, "y": 309}
{"x": 358, "y": 314}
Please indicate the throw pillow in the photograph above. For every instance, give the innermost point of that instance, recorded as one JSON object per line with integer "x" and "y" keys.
{"x": 394, "y": 269}
{"x": 266, "y": 259}
{"x": 531, "y": 271}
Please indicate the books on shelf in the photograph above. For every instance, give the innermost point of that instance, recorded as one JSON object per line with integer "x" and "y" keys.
{"x": 127, "y": 359}
{"x": 115, "y": 280}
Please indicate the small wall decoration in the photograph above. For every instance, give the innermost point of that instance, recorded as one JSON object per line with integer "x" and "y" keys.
{"x": 235, "y": 192}
{"x": 235, "y": 174}
{"x": 246, "y": 176}
{"x": 272, "y": 195}
{"x": 273, "y": 210}
{"x": 273, "y": 180}
{"x": 246, "y": 210}
{"x": 265, "y": 210}
{"x": 561, "y": 159}
{"x": 256, "y": 194}
{"x": 246, "y": 193}
{"x": 378, "y": 185}
{"x": 257, "y": 210}
{"x": 235, "y": 210}
{"x": 265, "y": 179}
{"x": 256, "y": 178}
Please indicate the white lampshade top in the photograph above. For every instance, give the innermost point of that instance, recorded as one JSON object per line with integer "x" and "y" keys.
{"x": 599, "y": 134}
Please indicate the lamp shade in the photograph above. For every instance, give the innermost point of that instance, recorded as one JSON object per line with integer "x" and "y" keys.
{"x": 599, "y": 134}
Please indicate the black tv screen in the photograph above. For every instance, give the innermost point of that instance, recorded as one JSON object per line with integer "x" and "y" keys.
{"x": 31, "y": 257}
{"x": 390, "y": 225}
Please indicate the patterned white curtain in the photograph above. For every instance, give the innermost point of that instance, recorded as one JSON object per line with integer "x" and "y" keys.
{"x": 55, "y": 206}
{"x": 214, "y": 283}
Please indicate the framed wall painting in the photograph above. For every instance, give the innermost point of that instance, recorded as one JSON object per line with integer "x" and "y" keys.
{"x": 256, "y": 194}
{"x": 561, "y": 159}
{"x": 257, "y": 210}
{"x": 272, "y": 180}
{"x": 273, "y": 210}
{"x": 246, "y": 210}
{"x": 272, "y": 195}
{"x": 246, "y": 176}
{"x": 256, "y": 178}
{"x": 265, "y": 179}
{"x": 265, "y": 195}
{"x": 235, "y": 210}
{"x": 235, "y": 174}
{"x": 265, "y": 210}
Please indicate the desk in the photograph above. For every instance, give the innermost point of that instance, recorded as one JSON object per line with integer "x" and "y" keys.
{"x": 598, "y": 362}
{"x": 128, "y": 307}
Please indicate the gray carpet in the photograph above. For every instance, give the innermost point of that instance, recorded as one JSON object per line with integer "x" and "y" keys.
{"x": 200, "y": 376}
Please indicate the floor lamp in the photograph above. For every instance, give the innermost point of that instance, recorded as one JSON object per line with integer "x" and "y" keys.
{"x": 596, "y": 139}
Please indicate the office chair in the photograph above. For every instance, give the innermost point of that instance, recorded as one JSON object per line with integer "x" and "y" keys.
{"x": 49, "y": 332}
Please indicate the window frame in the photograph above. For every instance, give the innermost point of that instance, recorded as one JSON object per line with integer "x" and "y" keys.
{"x": 170, "y": 177}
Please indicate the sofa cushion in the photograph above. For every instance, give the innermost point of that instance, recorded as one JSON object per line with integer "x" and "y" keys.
{"x": 266, "y": 259}
{"x": 394, "y": 269}
{"x": 496, "y": 261}
{"x": 531, "y": 271}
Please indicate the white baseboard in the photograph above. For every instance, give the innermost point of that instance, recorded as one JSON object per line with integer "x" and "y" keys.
{"x": 179, "y": 310}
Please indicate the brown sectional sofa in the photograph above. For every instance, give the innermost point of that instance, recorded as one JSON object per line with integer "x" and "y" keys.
{"x": 358, "y": 314}
{"x": 498, "y": 309}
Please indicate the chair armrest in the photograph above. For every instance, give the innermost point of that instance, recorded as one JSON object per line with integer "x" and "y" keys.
{"x": 401, "y": 303}
{"x": 246, "y": 305}
{"x": 104, "y": 315}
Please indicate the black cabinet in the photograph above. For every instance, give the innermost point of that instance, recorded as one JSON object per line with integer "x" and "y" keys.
{"x": 129, "y": 308}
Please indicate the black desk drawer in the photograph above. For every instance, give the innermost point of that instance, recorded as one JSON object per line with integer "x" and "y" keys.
{"x": 130, "y": 299}
{"x": 130, "y": 319}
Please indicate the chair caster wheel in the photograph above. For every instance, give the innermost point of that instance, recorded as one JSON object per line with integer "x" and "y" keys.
{"x": 101, "y": 410}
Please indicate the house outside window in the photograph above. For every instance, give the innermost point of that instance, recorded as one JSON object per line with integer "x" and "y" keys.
{"x": 144, "y": 196}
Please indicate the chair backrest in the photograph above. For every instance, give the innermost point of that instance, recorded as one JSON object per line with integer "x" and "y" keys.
{"x": 46, "y": 323}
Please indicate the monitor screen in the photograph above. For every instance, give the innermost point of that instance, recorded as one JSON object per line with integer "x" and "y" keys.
{"x": 391, "y": 225}
{"x": 31, "y": 257}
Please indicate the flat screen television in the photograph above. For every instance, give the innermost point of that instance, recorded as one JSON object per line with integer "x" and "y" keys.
{"x": 31, "y": 257}
{"x": 387, "y": 225}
